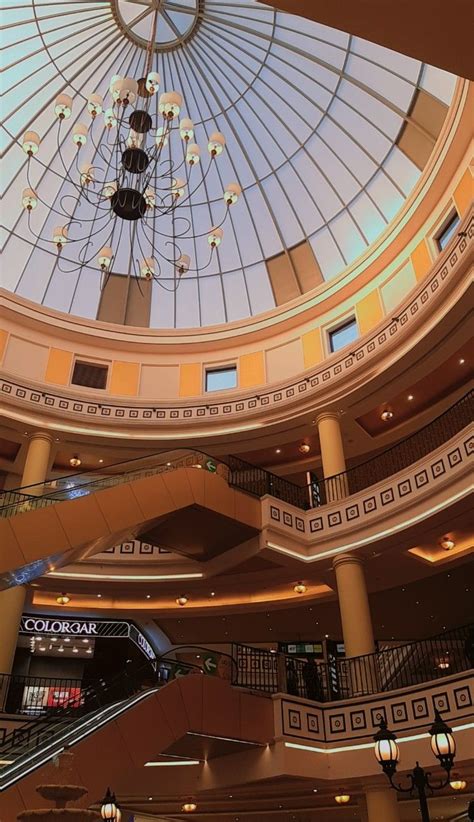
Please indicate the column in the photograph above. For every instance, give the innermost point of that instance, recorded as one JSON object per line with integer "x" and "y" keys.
{"x": 37, "y": 461}
{"x": 354, "y": 605}
{"x": 382, "y": 804}
{"x": 12, "y": 601}
{"x": 332, "y": 454}
{"x": 360, "y": 674}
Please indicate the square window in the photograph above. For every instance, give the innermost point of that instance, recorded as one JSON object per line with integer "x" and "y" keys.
{"x": 219, "y": 379}
{"x": 343, "y": 335}
{"x": 444, "y": 235}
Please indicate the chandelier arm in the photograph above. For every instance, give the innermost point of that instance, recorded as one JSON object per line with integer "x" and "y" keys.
{"x": 98, "y": 148}
{"x": 83, "y": 219}
{"x": 66, "y": 171}
{"x": 43, "y": 202}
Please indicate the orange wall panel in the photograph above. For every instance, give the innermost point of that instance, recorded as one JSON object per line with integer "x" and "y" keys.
{"x": 190, "y": 379}
{"x": 124, "y": 378}
{"x": 58, "y": 368}
{"x": 463, "y": 193}
{"x": 369, "y": 311}
{"x": 421, "y": 260}
{"x": 312, "y": 348}
{"x": 3, "y": 343}
{"x": 251, "y": 369}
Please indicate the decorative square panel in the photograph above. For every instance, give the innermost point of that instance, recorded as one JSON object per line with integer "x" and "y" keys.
{"x": 214, "y": 410}
{"x": 161, "y": 415}
{"x": 316, "y": 524}
{"x": 370, "y": 347}
{"x": 21, "y": 393}
{"x": 420, "y": 708}
{"x": 227, "y": 409}
{"x": 434, "y": 286}
{"x": 294, "y": 719}
{"x": 326, "y": 376}
{"x": 277, "y": 397}
{"x": 146, "y": 548}
{"x": 352, "y": 512}
{"x": 252, "y": 403}
{"x": 63, "y": 404}
{"x": 134, "y": 415}
{"x": 462, "y": 697}
{"x": 91, "y": 409}
{"x": 393, "y": 330}
{"x": 299, "y": 524}
{"x": 454, "y": 457}
{"x": 370, "y": 505}
{"x": 287, "y": 519}
{"x": 424, "y": 297}
{"x": 312, "y": 722}
{"x": 334, "y": 519}
{"x": 290, "y": 392}
{"x": 50, "y": 401}
{"x": 127, "y": 548}
{"x": 469, "y": 446}
{"x": 106, "y": 412}
{"x": 377, "y": 715}
{"x": 382, "y": 338}
{"x": 36, "y": 398}
{"x": 404, "y": 488}
{"x": 302, "y": 387}
{"x": 358, "y": 720}
{"x": 337, "y": 723}
{"x": 200, "y": 412}
{"x": 421, "y": 478}
{"x": 360, "y": 355}
{"x": 348, "y": 362}
{"x": 399, "y": 712}
{"x": 403, "y": 319}
{"x": 265, "y": 400}
{"x": 7, "y": 389}
{"x": 438, "y": 469}
{"x": 239, "y": 406}
{"x": 444, "y": 272}
{"x": 414, "y": 308}
{"x": 275, "y": 513}
{"x": 387, "y": 496}
{"x": 441, "y": 702}
{"x": 119, "y": 412}
{"x": 314, "y": 381}
{"x": 337, "y": 369}
{"x": 188, "y": 413}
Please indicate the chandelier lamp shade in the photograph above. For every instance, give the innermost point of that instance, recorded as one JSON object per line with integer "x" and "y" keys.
{"x": 137, "y": 170}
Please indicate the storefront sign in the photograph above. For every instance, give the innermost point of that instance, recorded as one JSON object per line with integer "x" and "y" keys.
{"x": 97, "y": 628}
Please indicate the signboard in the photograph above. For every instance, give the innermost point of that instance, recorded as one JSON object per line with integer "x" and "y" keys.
{"x": 87, "y": 628}
{"x": 302, "y": 648}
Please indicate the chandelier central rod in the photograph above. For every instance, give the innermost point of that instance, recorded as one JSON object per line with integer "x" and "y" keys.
{"x": 151, "y": 45}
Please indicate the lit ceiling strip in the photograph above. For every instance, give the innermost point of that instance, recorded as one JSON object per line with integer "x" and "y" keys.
{"x": 75, "y": 575}
{"x": 367, "y": 745}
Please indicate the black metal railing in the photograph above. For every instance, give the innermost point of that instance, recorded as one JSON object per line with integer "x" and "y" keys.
{"x": 406, "y": 665}
{"x": 402, "y": 454}
{"x": 37, "y": 696}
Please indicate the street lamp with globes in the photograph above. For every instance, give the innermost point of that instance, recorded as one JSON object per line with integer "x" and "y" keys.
{"x": 443, "y": 746}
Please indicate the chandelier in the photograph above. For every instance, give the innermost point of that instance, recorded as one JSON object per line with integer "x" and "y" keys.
{"x": 141, "y": 180}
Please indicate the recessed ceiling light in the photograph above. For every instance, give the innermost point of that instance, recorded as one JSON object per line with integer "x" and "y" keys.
{"x": 182, "y": 600}
{"x": 410, "y": 397}
{"x": 304, "y": 448}
{"x": 277, "y": 450}
{"x": 75, "y": 651}
{"x": 447, "y": 543}
{"x": 99, "y": 596}
{"x": 213, "y": 593}
{"x": 386, "y": 415}
{"x": 148, "y": 596}
{"x": 462, "y": 361}
{"x": 101, "y": 460}
{"x": 42, "y": 648}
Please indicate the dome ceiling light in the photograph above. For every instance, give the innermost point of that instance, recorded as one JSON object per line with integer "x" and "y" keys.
{"x": 300, "y": 588}
{"x": 386, "y": 415}
{"x": 447, "y": 543}
{"x": 63, "y": 599}
{"x": 75, "y": 461}
{"x": 134, "y": 177}
{"x": 342, "y": 798}
{"x": 182, "y": 600}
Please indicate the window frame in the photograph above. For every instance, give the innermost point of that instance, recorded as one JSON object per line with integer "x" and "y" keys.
{"x": 83, "y": 361}
{"x": 215, "y": 369}
{"x": 452, "y": 217}
{"x": 349, "y": 320}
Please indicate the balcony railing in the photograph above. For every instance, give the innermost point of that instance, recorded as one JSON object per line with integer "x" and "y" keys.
{"x": 403, "y": 666}
{"x": 247, "y": 477}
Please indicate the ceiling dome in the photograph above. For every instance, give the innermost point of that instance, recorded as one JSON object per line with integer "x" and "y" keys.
{"x": 312, "y": 119}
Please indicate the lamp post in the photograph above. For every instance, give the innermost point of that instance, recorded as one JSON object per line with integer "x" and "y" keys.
{"x": 388, "y": 754}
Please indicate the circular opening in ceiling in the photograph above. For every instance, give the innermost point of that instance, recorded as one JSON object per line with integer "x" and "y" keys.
{"x": 177, "y": 20}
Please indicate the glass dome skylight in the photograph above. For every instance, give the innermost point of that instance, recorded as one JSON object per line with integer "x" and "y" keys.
{"x": 311, "y": 117}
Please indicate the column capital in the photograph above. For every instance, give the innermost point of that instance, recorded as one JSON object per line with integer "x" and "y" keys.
{"x": 327, "y": 415}
{"x": 347, "y": 559}
{"x": 41, "y": 435}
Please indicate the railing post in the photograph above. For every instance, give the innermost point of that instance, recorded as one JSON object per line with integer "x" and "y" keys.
{"x": 281, "y": 674}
